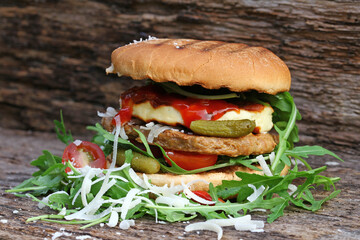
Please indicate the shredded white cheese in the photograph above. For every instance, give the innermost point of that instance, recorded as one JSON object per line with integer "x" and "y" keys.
{"x": 164, "y": 190}
{"x": 76, "y": 196}
{"x": 272, "y": 157}
{"x": 155, "y": 131}
{"x": 137, "y": 179}
{"x": 63, "y": 211}
{"x": 143, "y": 40}
{"x": 148, "y": 126}
{"x": 112, "y": 177}
{"x": 258, "y": 210}
{"x": 110, "y": 69}
{"x": 59, "y": 234}
{"x": 77, "y": 142}
{"x": 174, "y": 201}
{"x": 205, "y": 226}
{"x": 243, "y": 223}
{"x": 83, "y": 237}
{"x": 113, "y": 220}
{"x": 86, "y": 186}
{"x": 188, "y": 193}
{"x": 332, "y": 163}
{"x": 168, "y": 195}
{"x": 126, "y": 224}
{"x": 230, "y": 221}
{"x": 256, "y": 193}
{"x": 110, "y": 112}
{"x": 252, "y": 226}
{"x": 292, "y": 188}
{"x": 87, "y": 213}
{"x": 263, "y": 165}
{"x": 117, "y": 169}
{"x": 116, "y": 139}
{"x": 128, "y": 199}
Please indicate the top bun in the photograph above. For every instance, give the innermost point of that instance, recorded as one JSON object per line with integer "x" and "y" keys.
{"x": 211, "y": 64}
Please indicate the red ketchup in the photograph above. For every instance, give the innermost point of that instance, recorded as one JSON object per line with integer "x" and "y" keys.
{"x": 191, "y": 109}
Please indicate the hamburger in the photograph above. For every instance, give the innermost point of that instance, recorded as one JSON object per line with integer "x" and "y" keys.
{"x": 203, "y": 112}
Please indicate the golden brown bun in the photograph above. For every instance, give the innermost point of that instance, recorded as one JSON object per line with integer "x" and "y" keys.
{"x": 211, "y": 64}
{"x": 215, "y": 177}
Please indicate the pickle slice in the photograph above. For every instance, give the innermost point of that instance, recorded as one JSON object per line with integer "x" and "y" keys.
{"x": 139, "y": 163}
{"x": 225, "y": 128}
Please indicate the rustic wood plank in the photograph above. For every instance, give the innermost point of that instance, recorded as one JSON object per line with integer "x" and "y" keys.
{"x": 53, "y": 55}
{"x": 338, "y": 219}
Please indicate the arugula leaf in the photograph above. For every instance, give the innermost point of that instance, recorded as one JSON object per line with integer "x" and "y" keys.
{"x": 278, "y": 210}
{"x": 218, "y": 210}
{"x": 44, "y": 162}
{"x": 174, "y": 88}
{"x": 61, "y": 132}
{"x": 60, "y": 200}
{"x": 48, "y": 178}
{"x": 144, "y": 141}
{"x": 174, "y": 168}
{"x": 284, "y": 134}
{"x": 103, "y": 143}
{"x": 230, "y": 188}
{"x": 257, "y": 180}
{"x": 51, "y": 176}
{"x": 110, "y": 137}
{"x": 305, "y": 151}
{"x": 302, "y": 197}
{"x": 308, "y": 202}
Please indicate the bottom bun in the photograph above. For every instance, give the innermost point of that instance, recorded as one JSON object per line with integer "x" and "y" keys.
{"x": 215, "y": 177}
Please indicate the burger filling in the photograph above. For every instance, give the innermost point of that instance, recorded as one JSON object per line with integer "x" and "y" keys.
{"x": 165, "y": 120}
{"x": 152, "y": 103}
{"x": 171, "y": 116}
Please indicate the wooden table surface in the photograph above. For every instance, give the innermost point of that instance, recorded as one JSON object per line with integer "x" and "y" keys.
{"x": 338, "y": 219}
{"x": 53, "y": 55}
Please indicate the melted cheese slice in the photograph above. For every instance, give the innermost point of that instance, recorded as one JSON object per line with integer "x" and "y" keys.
{"x": 170, "y": 116}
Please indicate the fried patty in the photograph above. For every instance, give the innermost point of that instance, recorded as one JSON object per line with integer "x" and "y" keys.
{"x": 251, "y": 144}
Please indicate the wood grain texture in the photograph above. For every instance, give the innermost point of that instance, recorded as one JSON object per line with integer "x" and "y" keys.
{"x": 338, "y": 218}
{"x": 53, "y": 55}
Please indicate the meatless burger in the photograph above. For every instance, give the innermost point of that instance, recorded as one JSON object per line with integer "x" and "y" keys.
{"x": 203, "y": 113}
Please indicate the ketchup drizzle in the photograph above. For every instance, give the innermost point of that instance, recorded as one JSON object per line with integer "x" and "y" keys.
{"x": 191, "y": 109}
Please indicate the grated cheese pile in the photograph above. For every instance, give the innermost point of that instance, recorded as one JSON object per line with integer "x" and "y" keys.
{"x": 167, "y": 195}
{"x": 155, "y": 130}
{"x": 118, "y": 209}
{"x": 240, "y": 223}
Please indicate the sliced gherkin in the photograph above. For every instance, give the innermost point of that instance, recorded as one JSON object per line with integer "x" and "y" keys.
{"x": 139, "y": 163}
{"x": 225, "y": 128}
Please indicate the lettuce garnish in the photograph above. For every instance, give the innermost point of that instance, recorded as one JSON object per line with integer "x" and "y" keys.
{"x": 278, "y": 194}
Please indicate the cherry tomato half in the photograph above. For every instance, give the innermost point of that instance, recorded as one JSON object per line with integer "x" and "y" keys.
{"x": 190, "y": 161}
{"x": 82, "y": 153}
{"x": 205, "y": 195}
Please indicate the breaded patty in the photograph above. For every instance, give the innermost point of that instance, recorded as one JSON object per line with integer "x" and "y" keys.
{"x": 251, "y": 144}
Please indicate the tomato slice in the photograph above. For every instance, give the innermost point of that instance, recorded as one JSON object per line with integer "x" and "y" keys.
{"x": 190, "y": 161}
{"x": 82, "y": 153}
{"x": 205, "y": 195}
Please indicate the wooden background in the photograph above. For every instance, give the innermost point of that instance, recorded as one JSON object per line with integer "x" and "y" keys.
{"x": 53, "y": 56}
